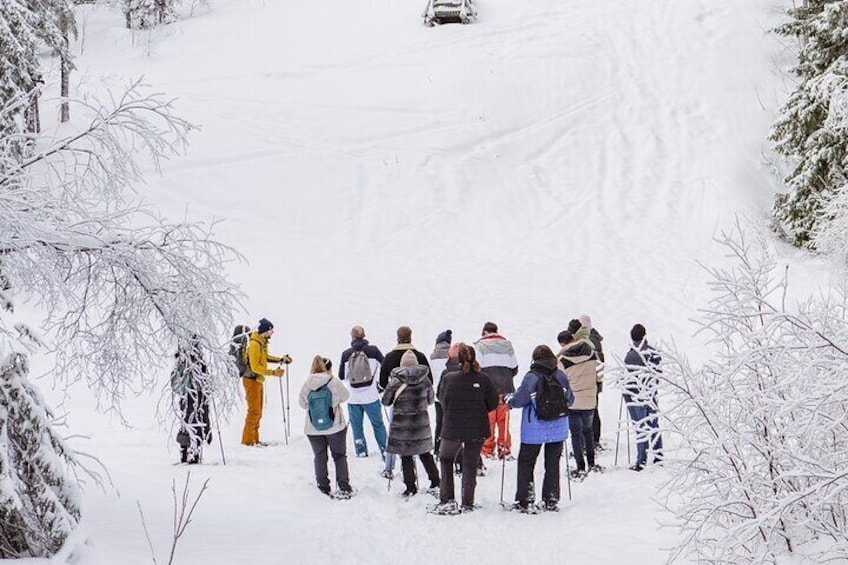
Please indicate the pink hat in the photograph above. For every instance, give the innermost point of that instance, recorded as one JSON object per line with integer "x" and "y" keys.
{"x": 585, "y": 321}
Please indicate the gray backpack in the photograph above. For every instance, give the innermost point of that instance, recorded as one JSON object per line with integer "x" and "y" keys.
{"x": 358, "y": 370}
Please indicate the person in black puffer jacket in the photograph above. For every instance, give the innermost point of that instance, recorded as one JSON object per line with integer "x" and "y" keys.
{"x": 411, "y": 392}
{"x": 467, "y": 397}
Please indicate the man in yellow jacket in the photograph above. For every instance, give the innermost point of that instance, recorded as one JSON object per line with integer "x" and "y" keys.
{"x": 257, "y": 362}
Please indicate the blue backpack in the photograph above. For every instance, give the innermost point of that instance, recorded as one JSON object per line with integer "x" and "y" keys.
{"x": 320, "y": 403}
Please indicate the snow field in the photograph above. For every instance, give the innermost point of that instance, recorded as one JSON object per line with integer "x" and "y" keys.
{"x": 555, "y": 158}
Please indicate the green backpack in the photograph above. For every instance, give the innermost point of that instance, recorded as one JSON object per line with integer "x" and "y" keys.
{"x": 320, "y": 404}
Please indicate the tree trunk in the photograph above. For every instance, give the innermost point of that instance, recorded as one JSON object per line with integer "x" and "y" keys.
{"x": 64, "y": 109}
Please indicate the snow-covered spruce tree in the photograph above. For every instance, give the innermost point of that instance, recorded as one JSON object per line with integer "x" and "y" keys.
{"x": 26, "y": 26}
{"x": 831, "y": 238}
{"x": 119, "y": 286}
{"x": 763, "y": 425}
{"x": 56, "y": 24}
{"x": 39, "y": 496}
{"x": 146, "y": 14}
{"x": 20, "y": 73}
{"x": 811, "y": 128}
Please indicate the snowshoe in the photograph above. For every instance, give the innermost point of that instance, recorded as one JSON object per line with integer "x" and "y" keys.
{"x": 578, "y": 475}
{"x": 440, "y": 12}
{"x": 466, "y": 509}
{"x": 434, "y": 491}
{"x": 449, "y": 508}
{"x": 343, "y": 494}
{"x": 408, "y": 494}
{"x": 597, "y": 469}
{"x": 526, "y": 508}
{"x": 548, "y": 506}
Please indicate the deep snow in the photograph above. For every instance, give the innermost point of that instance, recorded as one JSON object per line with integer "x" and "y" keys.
{"x": 552, "y": 159}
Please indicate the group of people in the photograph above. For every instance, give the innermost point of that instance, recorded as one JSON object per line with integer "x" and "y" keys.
{"x": 473, "y": 389}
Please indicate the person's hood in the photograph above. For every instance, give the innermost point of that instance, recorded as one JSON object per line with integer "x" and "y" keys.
{"x": 495, "y": 343}
{"x": 544, "y": 366}
{"x": 577, "y": 352}
{"x": 358, "y": 344}
{"x": 453, "y": 364}
{"x": 583, "y": 335}
{"x": 440, "y": 351}
{"x": 317, "y": 380}
{"x": 404, "y": 347}
{"x": 595, "y": 334}
{"x": 411, "y": 375}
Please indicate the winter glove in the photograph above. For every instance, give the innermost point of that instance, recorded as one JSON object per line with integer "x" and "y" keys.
{"x": 278, "y": 372}
{"x": 600, "y": 387}
{"x": 286, "y": 359}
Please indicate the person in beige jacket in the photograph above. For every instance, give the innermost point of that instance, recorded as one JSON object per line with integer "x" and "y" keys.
{"x": 334, "y": 437}
{"x": 580, "y": 364}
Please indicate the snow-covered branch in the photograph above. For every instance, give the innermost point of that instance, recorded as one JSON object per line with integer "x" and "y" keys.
{"x": 764, "y": 422}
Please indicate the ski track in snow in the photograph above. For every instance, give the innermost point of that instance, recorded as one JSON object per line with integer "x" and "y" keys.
{"x": 554, "y": 158}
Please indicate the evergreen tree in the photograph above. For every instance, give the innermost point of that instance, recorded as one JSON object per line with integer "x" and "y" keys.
{"x": 39, "y": 501}
{"x": 812, "y": 124}
{"x": 19, "y": 69}
{"x": 146, "y": 14}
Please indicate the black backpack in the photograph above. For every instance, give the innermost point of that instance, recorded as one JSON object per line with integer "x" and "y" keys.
{"x": 551, "y": 401}
{"x": 238, "y": 351}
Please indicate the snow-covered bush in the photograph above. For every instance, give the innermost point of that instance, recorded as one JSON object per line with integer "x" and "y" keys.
{"x": 39, "y": 499}
{"x": 118, "y": 286}
{"x": 763, "y": 425}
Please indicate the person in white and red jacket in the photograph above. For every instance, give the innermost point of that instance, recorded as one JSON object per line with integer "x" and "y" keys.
{"x": 496, "y": 357}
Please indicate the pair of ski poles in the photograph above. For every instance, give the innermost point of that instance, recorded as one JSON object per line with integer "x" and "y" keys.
{"x": 567, "y": 465}
{"x": 618, "y": 434}
{"x": 285, "y": 402}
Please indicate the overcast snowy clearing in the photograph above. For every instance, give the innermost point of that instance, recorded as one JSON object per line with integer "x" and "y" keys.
{"x": 553, "y": 158}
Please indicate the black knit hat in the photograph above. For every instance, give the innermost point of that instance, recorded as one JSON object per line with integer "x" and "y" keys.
{"x": 445, "y": 337}
{"x": 638, "y": 332}
{"x": 264, "y": 326}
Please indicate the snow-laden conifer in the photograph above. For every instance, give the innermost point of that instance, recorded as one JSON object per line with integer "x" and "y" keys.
{"x": 39, "y": 496}
{"x": 811, "y": 128}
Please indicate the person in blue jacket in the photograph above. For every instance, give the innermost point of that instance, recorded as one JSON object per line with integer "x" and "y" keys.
{"x": 535, "y": 433}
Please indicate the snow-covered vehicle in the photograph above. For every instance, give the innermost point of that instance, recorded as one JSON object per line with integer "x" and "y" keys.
{"x": 449, "y": 11}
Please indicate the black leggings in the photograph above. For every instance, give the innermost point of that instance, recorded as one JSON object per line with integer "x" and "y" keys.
{"x": 470, "y": 455}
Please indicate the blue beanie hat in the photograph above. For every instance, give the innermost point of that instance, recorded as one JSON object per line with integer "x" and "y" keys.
{"x": 445, "y": 337}
{"x": 264, "y": 326}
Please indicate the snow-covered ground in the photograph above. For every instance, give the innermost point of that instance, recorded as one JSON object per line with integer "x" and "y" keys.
{"x": 555, "y": 158}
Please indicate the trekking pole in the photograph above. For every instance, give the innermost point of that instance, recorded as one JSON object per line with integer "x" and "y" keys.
{"x": 288, "y": 401}
{"x": 218, "y": 426}
{"x": 503, "y": 465}
{"x": 567, "y": 468}
{"x": 283, "y": 407}
{"x": 618, "y": 431}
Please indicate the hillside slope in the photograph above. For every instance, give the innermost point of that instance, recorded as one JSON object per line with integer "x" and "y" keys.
{"x": 554, "y": 158}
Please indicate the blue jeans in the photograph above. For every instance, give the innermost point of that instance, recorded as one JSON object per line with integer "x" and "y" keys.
{"x": 582, "y": 440}
{"x": 646, "y": 422}
{"x": 375, "y": 416}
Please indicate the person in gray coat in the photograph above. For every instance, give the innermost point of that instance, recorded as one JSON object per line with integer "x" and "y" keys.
{"x": 410, "y": 392}
{"x": 333, "y": 438}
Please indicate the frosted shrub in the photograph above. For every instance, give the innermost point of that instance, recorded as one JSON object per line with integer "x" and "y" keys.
{"x": 119, "y": 288}
{"x": 764, "y": 423}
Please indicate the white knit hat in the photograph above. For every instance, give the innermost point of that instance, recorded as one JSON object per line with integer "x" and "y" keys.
{"x": 409, "y": 359}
